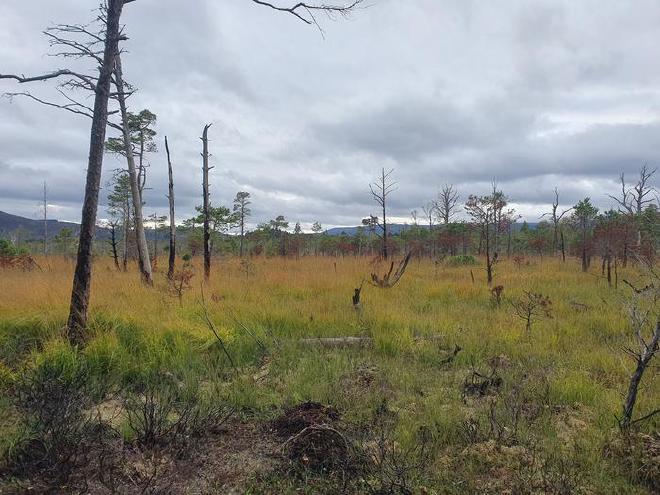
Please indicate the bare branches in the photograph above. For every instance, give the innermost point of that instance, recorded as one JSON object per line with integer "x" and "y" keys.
{"x": 644, "y": 316}
{"x": 380, "y": 190}
{"x": 556, "y": 219}
{"x": 633, "y": 199}
{"x": 531, "y": 307}
{"x": 389, "y": 280}
{"x": 72, "y": 107}
{"x": 446, "y": 203}
{"x": 383, "y": 187}
{"x": 43, "y": 77}
{"x": 305, "y": 11}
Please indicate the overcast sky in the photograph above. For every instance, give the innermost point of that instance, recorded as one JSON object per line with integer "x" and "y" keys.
{"x": 534, "y": 94}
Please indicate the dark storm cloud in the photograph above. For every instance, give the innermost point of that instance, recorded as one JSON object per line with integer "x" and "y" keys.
{"x": 554, "y": 93}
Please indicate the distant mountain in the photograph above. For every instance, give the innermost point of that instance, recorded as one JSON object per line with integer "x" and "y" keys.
{"x": 32, "y": 229}
{"x": 397, "y": 228}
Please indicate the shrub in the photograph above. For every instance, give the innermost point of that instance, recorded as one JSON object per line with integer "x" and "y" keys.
{"x": 51, "y": 396}
{"x": 7, "y": 248}
{"x": 169, "y": 412}
{"x": 461, "y": 260}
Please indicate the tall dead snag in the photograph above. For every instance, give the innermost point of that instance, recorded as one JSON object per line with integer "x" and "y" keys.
{"x": 390, "y": 280}
{"x": 170, "y": 197}
{"x": 141, "y": 238}
{"x": 82, "y": 278}
{"x": 205, "y": 209}
{"x": 634, "y": 199}
{"x": 556, "y": 227}
{"x": 113, "y": 242}
{"x": 380, "y": 190}
{"x": 644, "y": 314}
{"x": 77, "y": 322}
{"x": 109, "y": 39}
{"x": 45, "y": 220}
{"x": 446, "y": 204}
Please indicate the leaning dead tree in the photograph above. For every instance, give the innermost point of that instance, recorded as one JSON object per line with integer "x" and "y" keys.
{"x": 644, "y": 315}
{"x": 143, "y": 249}
{"x": 103, "y": 49}
{"x": 390, "y": 279}
{"x": 380, "y": 190}
{"x": 205, "y": 208}
{"x": 170, "y": 198}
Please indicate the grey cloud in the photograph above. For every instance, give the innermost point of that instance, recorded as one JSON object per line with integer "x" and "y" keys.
{"x": 557, "y": 93}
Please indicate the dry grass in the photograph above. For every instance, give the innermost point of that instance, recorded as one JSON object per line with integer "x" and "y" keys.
{"x": 570, "y": 366}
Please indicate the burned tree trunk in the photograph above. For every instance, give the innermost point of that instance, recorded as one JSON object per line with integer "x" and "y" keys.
{"x": 113, "y": 243}
{"x": 205, "y": 191}
{"x": 125, "y": 232}
{"x": 170, "y": 197}
{"x": 642, "y": 358}
{"x": 77, "y": 321}
{"x": 142, "y": 247}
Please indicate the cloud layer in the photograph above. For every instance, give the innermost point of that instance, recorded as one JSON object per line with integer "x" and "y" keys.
{"x": 557, "y": 93}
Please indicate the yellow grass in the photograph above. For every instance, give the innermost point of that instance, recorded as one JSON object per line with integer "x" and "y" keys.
{"x": 576, "y": 355}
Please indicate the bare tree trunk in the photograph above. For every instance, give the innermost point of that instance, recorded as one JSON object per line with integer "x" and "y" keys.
{"x": 170, "y": 197}
{"x": 113, "y": 243}
{"x": 125, "y": 229}
{"x": 205, "y": 190}
{"x": 141, "y": 239}
{"x": 585, "y": 262}
{"x": 240, "y": 251}
{"x": 77, "y": 321}
{"x": 489, "y": 260}
{"x": 384, "y": 226}
{"x": 643, "y": 360}
{"x": 155, "y": 238}
{"x": 563, "y": 250}
{"x": 45, "y": 220}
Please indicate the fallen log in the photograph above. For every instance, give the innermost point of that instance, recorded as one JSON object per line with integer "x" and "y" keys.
{"x": 338, "y": 341}
{"x": 356, "y": 341}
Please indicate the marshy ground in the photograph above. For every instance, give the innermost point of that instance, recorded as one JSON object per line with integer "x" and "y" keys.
{"x": 451, "y": 395}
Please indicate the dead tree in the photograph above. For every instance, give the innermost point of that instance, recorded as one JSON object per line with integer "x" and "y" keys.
{"x": 113, "y": 242}
{"x": 141, "y": 238}
{"x": 446, "y": 204}
{"x": 77, "y": 322}
{"x": 644, "y": 314}
{"x": 102, "y": 48}
{"x": 556, "y": 219}
{"x": 531, "y": 307}
{"x": 205, "y": 209}
{"x": 389, "y": 279}
{"x": 634, "y": 199}
{"x": 45, "y": 220}
{"x": 170, "y": 198}
{"x": 109, "y": 39}
{"x": 380, "y": 190}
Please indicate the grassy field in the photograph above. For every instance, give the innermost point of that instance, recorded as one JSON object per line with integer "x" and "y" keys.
{"x": 537, "y": 417}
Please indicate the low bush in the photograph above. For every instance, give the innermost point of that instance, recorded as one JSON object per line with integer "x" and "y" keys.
{"x": 461, "y": 260}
